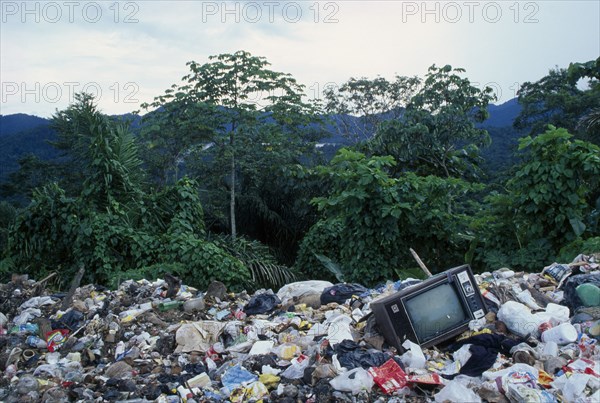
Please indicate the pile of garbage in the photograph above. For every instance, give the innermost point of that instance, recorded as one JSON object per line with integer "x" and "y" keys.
{"x": 311, "y": 341}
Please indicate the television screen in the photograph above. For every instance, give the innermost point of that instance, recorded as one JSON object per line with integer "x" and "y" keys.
{"x": 435, "y": 310}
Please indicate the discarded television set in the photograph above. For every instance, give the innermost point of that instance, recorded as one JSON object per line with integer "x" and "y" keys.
{"x": 432, "y": 311}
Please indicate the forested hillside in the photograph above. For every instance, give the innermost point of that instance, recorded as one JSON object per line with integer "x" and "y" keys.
{"x": 232, "y": 174}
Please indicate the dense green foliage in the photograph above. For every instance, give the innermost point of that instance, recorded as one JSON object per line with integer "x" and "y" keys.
{"x": 243, "y": 110}
{"x": 551, "y": 200}
{"x": 222, "y": 181}
{"x": 557, "y": 99}
{"x": 114, "y": 225}
{"x": 370, "y": 219}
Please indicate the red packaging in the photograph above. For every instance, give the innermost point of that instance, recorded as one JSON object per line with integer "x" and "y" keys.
{"x": 213, "y": 355}
{"x": 427, "y": 379}
{"x": 389, "y": 377}
{"x": 56, "y": 338}
{"x": 544, "y": 326}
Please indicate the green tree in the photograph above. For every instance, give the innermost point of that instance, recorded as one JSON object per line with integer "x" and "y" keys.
{"x": 362, "y": 104}
{"x": 557, "y": 99}
{"x": 33, "y": 172}
{"x": 117, "y": 230}
{"x": 245, "y": 94}
{"x": 437, "y": 134}
{"x": 551, "y": 200}
{"x": 7, "y": 218}
{"x": 369, "y": 220}
{"x": 174, "y": 132}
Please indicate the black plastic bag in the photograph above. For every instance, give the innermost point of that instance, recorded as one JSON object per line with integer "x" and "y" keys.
{"x": 351, "y": 355}
{"x": 70, "y": 320}
{"x": 341, "y": 292}
{"x": 262, "y": 303}
{"x": 571, "y": 299}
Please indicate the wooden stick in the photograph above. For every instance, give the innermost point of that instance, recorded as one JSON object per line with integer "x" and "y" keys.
{"x": 420, "y": 263}
{"x": 45, "y": 279}
{"x": 74, "y": 284}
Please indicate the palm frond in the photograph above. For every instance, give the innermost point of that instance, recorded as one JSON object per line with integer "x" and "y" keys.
{"x": 269, "y": 275}
{"x": 266, "y": 273}
{"x": 333, "y": 267}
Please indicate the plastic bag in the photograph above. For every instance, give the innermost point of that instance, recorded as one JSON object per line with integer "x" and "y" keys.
{"x": 261, "y": 347}
{"x": 341, "y": 292}
{"x": 339, "y": 330}
{"x": 572, "y": 300}
{"x": 353, "y": 381}
{"x": 351, "y": 355}
{"x": 296, "y": 370}
{"x": 287, "y": 351}
{"x": 518, "y": 318}
{"x": 56, "y": 338}
{"x": 262, "y": 303}
{"x": 589, "y": 294}
{"x": 198, "y": 336}
{"x": 414, "y": 357}
{"x": 558, "y": 313}
{"x": 491, "y": 375}
{"x": 462, "y": 355}
{"x": 288, "y": 292}
{"x": 456, "y": 392}
{"x": 235, "y": 376}
{"x": 70, "y": 320}
{"x": 526, "y": 298}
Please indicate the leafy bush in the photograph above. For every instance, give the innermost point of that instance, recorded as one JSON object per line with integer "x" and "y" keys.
{"x": 547, "y": 203}
{"x": 8, "y": 214}
{"x": 113, "y": 226}
{"x": 570, "y": 251}
{"x": 370, "y": 220}
{"x": 323, "y": 238}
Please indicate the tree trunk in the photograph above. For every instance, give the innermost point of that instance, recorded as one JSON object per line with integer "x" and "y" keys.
{"x": 232, "y": 189}
{"x": 232, "y": 200}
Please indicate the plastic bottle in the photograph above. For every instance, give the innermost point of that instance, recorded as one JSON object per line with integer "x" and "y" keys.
{"x": 167, "y": 306}
{"x": 35, "y": 341}
{"x": 562, "y": 334}
{"x": 550, "y": 349}
{"x": 25, "y": 328}
{"x": 193, "y": 305}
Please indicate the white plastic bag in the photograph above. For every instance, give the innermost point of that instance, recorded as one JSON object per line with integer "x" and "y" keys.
{"x": 456, "y": 392}
{"x": 526, "y": 298}
{"x": 462, "y": 355}
{"x": 414, "y": 357}
{"x": 300, "y": 289}
{"x": 558, "y": 313}
{"x": 296, "y": 370}
{"x": 518, "y": 318}
{"x": 519, "y": 367}
{"x": 339, "y": 330}
{"x": 572, "y": 387}
{"x": 261, "y": 347}
{"x": 353, "y": 381}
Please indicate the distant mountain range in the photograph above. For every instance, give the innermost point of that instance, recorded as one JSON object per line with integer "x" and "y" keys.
{"x": 22, "y": 134}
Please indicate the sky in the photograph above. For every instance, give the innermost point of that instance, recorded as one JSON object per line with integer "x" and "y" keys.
{"x": 128, "y": 52}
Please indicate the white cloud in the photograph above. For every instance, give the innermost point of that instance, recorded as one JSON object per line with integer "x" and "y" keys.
{"x": 368, "y": 39}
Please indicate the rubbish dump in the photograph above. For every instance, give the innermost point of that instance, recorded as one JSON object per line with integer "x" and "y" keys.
{"x": 535, "y": 339}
